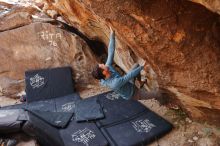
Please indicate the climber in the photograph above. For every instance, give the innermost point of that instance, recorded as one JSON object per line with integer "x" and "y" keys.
{"x": 109, "y": 77}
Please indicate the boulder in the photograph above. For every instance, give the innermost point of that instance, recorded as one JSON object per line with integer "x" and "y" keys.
{"x": 15, "y": 16}
{"x": 37, "y": 46}
{"x": 178, "y": 39}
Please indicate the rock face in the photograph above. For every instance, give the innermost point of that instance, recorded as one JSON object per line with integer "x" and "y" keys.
{"x": 179, "y": 40}
{"x": 213, "y": 5}
{"x": 41, "y": 45}
{"x": 13, "y": 16}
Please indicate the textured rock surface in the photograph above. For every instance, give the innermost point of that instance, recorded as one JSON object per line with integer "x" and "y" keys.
{"x": 14, "y": 16}
{"x": 40, "y": 45}
{"x": 179, "y": 40}
{"x": 213, "y": 5}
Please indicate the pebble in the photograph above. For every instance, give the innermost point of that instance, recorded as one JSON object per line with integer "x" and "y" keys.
{"x": 188, "y": 120}
{"x": 200, "y": 133}
{"x": 190, "y": 141}
{"x": 47, "y": 59}
{"x": 195, "y": 138}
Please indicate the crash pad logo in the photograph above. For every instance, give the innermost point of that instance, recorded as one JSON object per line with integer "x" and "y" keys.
{"x": 112, "y": 96}
{"x": 143, "y": 125}
{"x": 37, "y": 81}
{"x": 83, "y": 136}
{"x": 68, "y": 106}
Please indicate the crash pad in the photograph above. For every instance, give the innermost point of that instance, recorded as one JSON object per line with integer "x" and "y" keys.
{"x": 88, "y": 109}
{"x": 48, "y": 83}
{"x": 56, "y": 111}
{"x": 45, "y": 134}
{"x": 56, "y": 119}
{"x": 80, "y": 134}
{"x": 14, "y": 106}
{"x": 9, "y": 120}
{"x": 116, "y": 108}
{"x": 139, "y": 130}
{"x": 60, "y": 104}
{"x": 128, "y": 122}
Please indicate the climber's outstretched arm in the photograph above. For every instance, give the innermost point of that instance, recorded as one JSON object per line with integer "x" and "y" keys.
{"x": 111, "y": 49}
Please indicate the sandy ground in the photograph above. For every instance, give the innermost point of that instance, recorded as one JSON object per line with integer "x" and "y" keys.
{"x": 186, "y": 132}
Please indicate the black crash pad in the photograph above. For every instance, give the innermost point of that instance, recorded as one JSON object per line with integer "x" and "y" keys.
{"x": 48, "y": 83}
{"x": 141, "y": 130}
{"x": 43, "y": 105}
{"x": 128, "y": 122}
{"x": 67, "y": 103}
{"x": 45, "y": 134}
{"x": 60, "y": 104}
{"x": 9, "y": 120}
{"x": 56, "y": 119}
{"x": 80, "y": 134}
{"x": 56, "y": 111}
{"x": 88, "y": 109}
{"x": 117, "y": 109}
{"x": 14, "y": 106}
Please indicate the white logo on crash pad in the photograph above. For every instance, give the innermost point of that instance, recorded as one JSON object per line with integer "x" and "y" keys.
{"x": 68, "y": 106}
{"x": 112, "y": 96}
{"x": 58, "y": 122}
{"x": 143, "y": 125}
{"x": 36, "y": 81}
{"x": 83, "y": 136}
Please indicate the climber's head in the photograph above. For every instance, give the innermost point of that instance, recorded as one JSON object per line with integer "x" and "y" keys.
{"x": 101, "y": 71}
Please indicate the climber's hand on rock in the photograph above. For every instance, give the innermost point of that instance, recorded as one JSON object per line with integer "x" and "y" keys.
{"x": 112, "y": 31}
{"x": 142, "y": 63}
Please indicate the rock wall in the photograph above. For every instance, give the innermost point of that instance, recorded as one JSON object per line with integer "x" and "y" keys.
{"x": 13, "y": 17}
{"x": 212, "y": 5}
{"x": 37, "y": 46}
{"x": 179, "y": 40}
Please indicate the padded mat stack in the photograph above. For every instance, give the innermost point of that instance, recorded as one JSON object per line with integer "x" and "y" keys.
{"x": 57, "y": 112}
{"x": 56, "y": 116}
{"x": 128, "y": 122}
{"x": 51, "y": 98}
{"x": 50, "y": 128}
{"x": 50, "y": 119}
{"x": 79, "y": 134}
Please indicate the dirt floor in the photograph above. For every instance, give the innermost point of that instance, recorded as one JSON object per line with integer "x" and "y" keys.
{"x": 186, "y": 132}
